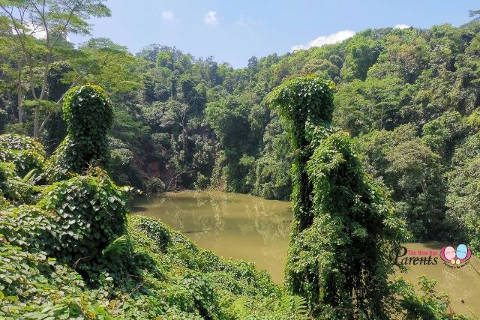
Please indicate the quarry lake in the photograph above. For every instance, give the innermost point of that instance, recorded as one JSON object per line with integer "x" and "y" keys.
{"x": 254, "y": 229}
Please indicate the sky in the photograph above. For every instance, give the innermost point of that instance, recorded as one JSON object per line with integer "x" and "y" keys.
{"x": 234, "y": 30}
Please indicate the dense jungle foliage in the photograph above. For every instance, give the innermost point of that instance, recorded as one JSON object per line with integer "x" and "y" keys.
{"x": 69, "y": 251}
{"x": 398, "y": 120}
{"x": 408, "y": 98}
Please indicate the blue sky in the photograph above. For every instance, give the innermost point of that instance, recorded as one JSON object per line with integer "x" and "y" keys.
{"x": 233, "y": 31}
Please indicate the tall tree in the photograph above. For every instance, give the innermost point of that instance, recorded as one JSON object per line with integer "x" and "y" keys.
{"x": 344, "y": 232}
{"x": 302, "y": 103}
{"x": 39, "y": 29}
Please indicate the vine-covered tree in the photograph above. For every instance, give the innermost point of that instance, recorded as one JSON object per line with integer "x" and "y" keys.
{"x": 88, "y": 113}
{"x": 344, "y": 231}
{"x": 184, "y": 122}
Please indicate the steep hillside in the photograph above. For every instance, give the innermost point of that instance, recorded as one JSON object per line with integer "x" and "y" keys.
{"x": 409, "y": 97}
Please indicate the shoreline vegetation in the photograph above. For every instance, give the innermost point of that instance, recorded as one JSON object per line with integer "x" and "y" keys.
{"x": 254, "y": 229}
{"x": 70, "y": 251}
{"x": 375, "y": 140}
{"x": 407, "y": 97}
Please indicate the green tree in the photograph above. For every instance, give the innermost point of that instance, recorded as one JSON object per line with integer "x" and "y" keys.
{"x": 272, "y": 171}
{"x": 51, "y": 21}
{"x": 405, "y": 56}
{"x": 464, "y": 192}
{"x": 88, "y": 113}
{"x": 229, "y": 118}
{"x": 443, "y": 134}
{"x": 361, "y": 53}
{"x": 302, "y": 104}
{"x": 354, "y": 235}
{"x": 344, "y": 231}
{"x": 373, "y": 104}
{"x": 414, "y": 174}
{"x": 108, "y": 65}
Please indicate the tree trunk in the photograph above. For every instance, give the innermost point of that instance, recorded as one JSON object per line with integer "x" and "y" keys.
{"x": 20, "y": 94}
{"x": 36, "y": 127}
{"x": 36, "y": 119}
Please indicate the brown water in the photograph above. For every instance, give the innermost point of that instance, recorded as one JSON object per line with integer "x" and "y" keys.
{"x": 254, "y": 229}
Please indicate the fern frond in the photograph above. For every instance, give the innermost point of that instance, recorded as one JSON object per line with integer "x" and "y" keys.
{"x": 298, "y": 307}
{"x": 119, "y": 247}
{"x": 30, "y": 177}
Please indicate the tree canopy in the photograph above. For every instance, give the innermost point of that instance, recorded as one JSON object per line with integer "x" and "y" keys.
{"x": 409, "y": 99}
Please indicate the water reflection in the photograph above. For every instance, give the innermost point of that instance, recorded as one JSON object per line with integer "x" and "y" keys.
{"x": 232, "y": 225}
{"x": 250, "y": 228}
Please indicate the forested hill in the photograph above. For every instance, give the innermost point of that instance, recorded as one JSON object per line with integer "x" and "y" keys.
{"x": 409, "y": 98}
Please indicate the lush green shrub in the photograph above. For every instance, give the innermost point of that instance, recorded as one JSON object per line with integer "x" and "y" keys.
{"x": 4, "y": 203}
{"x": 90, "y": 213}
{"x": 20, "y": 142}
{"x": 302, "y": 104}
{"x": 272, "y": 179}
{"x": 58, "y": 167}
{"x": 89, "y": 115}
{"x": 356, "y": 231}
{"x": 33, "y": 286}
{"x": 202, "y": 182}
{"x": 155, "y": 185}
{"x": 26, "y": 153}
{"x": 202, "y": 295}
{"x": 14, "y": 188}
{"x": 29, "y": 227}
{"x": 197, "y": 284}
{"x": 424, "y": 302}
{"x": 157, "y": 231}
{"x": 7, "y": 172}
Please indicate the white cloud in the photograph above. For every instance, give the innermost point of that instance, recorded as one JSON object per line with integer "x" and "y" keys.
{"x": 37, "y": 31}
{"x": 401, "y": 26}
{"x": 322, "y": 40}
{"x": 167, "y": 15}
{"x": 211, "y": 18}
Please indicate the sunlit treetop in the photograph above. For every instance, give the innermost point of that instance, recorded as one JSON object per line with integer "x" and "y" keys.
{"x": 301, "y": 101}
